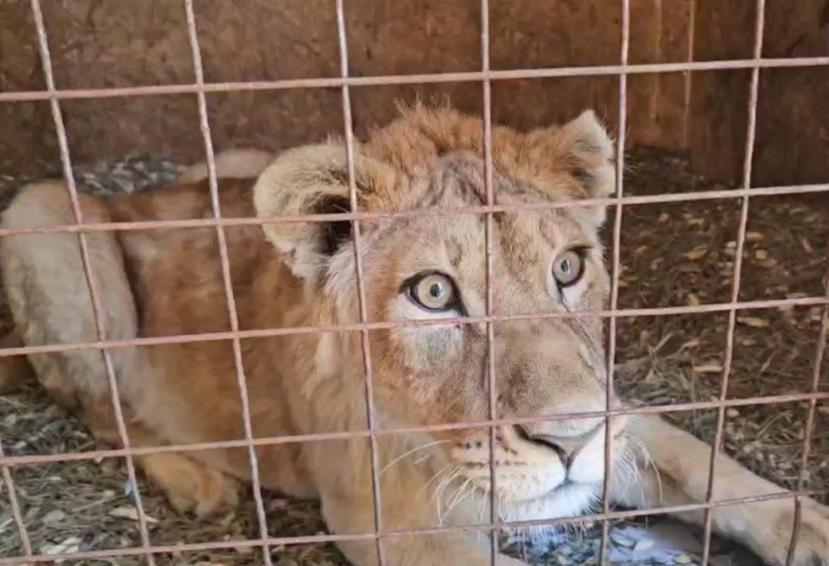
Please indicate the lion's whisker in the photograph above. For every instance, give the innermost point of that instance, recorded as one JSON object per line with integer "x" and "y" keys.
{"x": 460, "y": 494}
{"x": 437, "y": 475}
{"x": 410, "y": 452}
{"x": 649, "y": 463}
{"x": 444, "y": 483}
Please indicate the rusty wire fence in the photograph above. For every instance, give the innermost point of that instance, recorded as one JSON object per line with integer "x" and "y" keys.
{"x": 344, "y": 82}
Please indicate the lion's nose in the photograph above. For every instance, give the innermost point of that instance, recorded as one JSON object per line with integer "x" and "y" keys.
{"x": 567, "y": 447}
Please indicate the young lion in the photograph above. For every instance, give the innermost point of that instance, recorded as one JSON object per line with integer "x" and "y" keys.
{"x": 161, "y": 282}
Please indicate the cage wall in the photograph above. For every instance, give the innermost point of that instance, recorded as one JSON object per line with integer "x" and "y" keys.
{"x": 121, "y": 43}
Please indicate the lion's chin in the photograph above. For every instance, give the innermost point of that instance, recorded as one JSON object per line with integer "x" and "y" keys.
{"x": 567, "y": 500}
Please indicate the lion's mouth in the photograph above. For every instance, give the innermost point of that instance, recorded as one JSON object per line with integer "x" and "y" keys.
{"x": 481, "y": 484}
{"x": 569, "y": 499}
{"x": 564, "y": 488}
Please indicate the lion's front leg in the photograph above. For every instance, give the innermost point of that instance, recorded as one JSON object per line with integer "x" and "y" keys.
{"x": 347, "y": 507}
{"x": 348, "y": 515}
{"x": 681, "y": 476}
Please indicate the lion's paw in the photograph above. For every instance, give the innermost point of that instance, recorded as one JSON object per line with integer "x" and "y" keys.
{"x": 191, "y": 487}
{"x": 813, "y": 538}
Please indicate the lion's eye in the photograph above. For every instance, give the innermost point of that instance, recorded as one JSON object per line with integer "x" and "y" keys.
{"x": 433, "y": 291}
{"x": 568, "y": 267}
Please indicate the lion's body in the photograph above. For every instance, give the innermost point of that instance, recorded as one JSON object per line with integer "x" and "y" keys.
{"x": 170, "y": 282}
{"x": 187, "y": 392}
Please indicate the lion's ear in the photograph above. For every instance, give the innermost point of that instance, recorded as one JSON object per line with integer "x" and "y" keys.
{"x": 584, "y": 149}
{"x": 313, "y": 180}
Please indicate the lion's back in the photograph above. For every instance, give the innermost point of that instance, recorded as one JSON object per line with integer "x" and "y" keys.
{"x": 176, "y": 273}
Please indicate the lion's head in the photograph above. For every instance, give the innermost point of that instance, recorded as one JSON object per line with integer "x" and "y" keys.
{"x": 434, "y": 266}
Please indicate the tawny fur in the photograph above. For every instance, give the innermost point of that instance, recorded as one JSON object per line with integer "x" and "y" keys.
{"x": 288, "y": 273}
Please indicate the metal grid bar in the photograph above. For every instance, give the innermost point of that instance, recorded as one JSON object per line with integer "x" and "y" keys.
{"x": 436, "y": 322}
{"x": 687, "y": 75}
{"x": 230, "y": 299}
{"x": 489, "y": 187}
{"x": 808, "y": 430}
{"x": 417, "y": 212}
{"x": 422, "y": 78}
{"x": 35, "y": 459}
{"x": 316, "y": 539}
{"x": 88, "y": 271}
{"x": 759, "y": 25}
{"x": 348, "y": 126}
{"x": 486, "y": 76}
{"x": 8, "y": 482}
{"x": 616, "y": 268}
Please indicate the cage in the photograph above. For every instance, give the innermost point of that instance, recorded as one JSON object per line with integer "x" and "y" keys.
{"x": 716, "y": 240}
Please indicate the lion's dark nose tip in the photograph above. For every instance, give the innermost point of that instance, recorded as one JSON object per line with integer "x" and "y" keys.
{"x": 567, "y": 448}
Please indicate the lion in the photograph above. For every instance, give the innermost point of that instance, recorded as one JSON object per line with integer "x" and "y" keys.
{"x": 417, "y": 269}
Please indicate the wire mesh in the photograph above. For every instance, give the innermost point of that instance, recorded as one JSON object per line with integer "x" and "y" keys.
{"x": 489, "y": 187}
{"x": 738, "y": 263}
{"x": 486, "y": 76}
{"x": 376, "y": 500}
{"x": 230, "y": 299}
{"x": 615, "y": 271}
{"x": 809, "y": 429}
{"x": 417, "y": 79}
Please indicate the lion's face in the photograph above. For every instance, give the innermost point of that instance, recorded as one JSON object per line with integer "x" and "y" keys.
{"x": 542, "y": 262}
{"x": 434, "y": 267}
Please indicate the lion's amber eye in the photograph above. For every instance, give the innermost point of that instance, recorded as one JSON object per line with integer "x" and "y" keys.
{"x": 568, "y": 267}
{"x": 434, "y": 291}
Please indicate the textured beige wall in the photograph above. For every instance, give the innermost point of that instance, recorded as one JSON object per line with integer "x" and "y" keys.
{"x": 124, "y": 43}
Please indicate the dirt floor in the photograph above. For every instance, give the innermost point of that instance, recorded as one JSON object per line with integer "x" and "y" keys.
{"x": 673, "y": 254}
